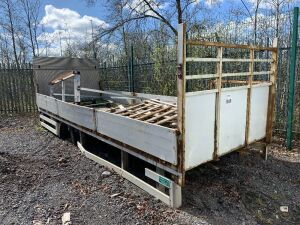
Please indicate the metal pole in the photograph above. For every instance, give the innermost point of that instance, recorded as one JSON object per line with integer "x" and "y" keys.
{"x": 292, "y": 77}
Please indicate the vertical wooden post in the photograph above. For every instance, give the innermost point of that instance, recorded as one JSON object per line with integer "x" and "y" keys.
{"x": 181, "y": 86}
{"x": 249, "y": 93}
{"x": 218, "y": 102}
{"x": 77, "y": 87}
{"x": 271, "y": 102}
{"x": 292, "y": 80}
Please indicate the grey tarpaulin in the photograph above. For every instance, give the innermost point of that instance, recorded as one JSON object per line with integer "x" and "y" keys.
{"x": 47, "y": 68}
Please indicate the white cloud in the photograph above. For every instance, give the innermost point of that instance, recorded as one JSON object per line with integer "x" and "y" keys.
{"x": 208, "y": 3}
{"x": 68, "y": 26}
{"x": 212, "y": 2}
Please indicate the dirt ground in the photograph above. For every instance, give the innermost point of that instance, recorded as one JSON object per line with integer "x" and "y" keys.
{"x": 42, "y": 177}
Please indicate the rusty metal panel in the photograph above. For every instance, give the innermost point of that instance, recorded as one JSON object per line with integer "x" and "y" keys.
{"x": 199, "y": 129}
{"x": 153, "y": 139}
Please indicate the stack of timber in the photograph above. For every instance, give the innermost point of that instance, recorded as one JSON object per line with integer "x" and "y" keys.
{"x": 150, "y": 111}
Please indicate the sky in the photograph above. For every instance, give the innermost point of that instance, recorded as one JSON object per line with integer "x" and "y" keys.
{"x": 72, "y": 20}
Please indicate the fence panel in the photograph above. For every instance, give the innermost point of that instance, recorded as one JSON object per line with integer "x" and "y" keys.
{"x": 16, "y": 89}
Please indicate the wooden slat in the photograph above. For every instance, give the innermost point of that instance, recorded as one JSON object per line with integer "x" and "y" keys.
{"x": 153, "y": 113}
{"x": 160, "y": 116}
{"x": 144, "y": 111}
{"x": 63, "y": 76}
{"x": 166, "y": 120}
{"x": 195, "y": 59}
{"x": 271, "y": 103}
{"x": 249, "y": 93}
{"x": 201, "y": 76}
{"x": 224, "y": 45}
{"x": 136, "y": 109}
{"x": 129, "y": 108}
{"x": 218, "y": 104}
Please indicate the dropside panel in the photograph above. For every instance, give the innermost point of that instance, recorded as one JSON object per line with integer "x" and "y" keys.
{"x": 199, "y": 129}
{"x": 153, "y": 139}
{"x": 233, "y": 104}
{"x": 258, "y": 113}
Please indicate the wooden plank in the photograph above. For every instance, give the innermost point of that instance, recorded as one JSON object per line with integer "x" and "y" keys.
{"x": 249, "y": 94}
{"x": 206, "y": 76}
{"x": 271, "y": 103}
{"x": 245, "y": 73}
{"x": 162, "y": 102}
{"x": 166, "y": 119}
{"x": 194, "y": 59}
{"x": 144, "y": 106}
{"x": 126, "y": 109}
{"x": 181, "y": 90}
{"x": 224, "y": 45}
{"x": 144, "y": 111}
{"x": 63, "y": 76}
{"x": 195, "y": 93}
{"x": 153, "y": 113}
{"x": 160, "y": 116}
{"x": 218, "y": 103}
{"x": 201, "y": 76}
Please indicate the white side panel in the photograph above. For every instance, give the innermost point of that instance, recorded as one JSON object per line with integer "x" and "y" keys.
{"x": 46, "y": 102}
{"x": 232, "y": 120}
{"x": 199, "y": 129}
{"x": 155, "y": 140}
{"x": 80, "y": 115}
{"x": 258, "y": 113}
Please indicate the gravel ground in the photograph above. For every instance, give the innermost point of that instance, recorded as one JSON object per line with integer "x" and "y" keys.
{"x": 42, "y": 177}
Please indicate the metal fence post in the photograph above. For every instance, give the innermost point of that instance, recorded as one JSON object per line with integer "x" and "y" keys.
{"x": 292, "y": 77}
{"x": 132, "y": 71}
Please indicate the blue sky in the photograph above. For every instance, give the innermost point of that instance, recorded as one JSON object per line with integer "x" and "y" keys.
{"x": 77, "y": 5}
{"x": 70, "y": 20}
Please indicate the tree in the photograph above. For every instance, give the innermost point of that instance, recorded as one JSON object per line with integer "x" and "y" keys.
{"x": 253, "y": 15}
{"x": 170, "y": 13}
{"x": 30, "y": 9}
{"x": 9, "y": 23}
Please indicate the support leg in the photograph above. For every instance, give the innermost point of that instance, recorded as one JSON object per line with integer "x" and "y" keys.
{"x": 124, "y": 160}
{"x": 175, "y": 196}
{"x": 82, "y": 138}
{"x": 265, "y": 152}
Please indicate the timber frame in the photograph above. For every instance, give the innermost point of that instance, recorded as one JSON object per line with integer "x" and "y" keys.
{"x": 174, "y": 134}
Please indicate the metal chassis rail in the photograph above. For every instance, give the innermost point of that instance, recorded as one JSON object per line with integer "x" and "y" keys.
{"x": 174, "y": 199}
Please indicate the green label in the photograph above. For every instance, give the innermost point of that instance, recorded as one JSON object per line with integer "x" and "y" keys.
{"x": 164, "y": 181}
